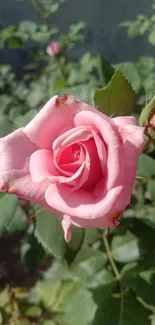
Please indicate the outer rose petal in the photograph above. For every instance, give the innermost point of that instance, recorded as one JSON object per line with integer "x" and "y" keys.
{"x": 81, "y": 203}
{"x": 105, "y": 221}
{"x": 121, "y": 121}
{"x": 56, "y": 117}
{"x": 133, "y": 140}
{"x": 135, "y": 135}
{"x": 15, "y": 151}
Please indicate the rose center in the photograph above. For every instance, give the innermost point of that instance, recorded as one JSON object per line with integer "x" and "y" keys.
{"x": 71, "y": 154}
{"x": 76, "y": 150}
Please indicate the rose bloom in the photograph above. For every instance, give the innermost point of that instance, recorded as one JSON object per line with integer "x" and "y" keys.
{"x": 53, "y": 48}
{"x": 75, "y": 161}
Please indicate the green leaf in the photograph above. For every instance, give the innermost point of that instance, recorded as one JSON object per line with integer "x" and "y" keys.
{"x": 91, "y": 235}
{"x": 81, "y": 308}
{"x": 56, "y": 294}
{"x": 1, "y": 318}
{"x": 152, "y": 318}
{"x": 108, "y": 312}
{"x": 18, "y": 222}
{"x": 5, "y": 34}
{"x": 140, "y": 279}
{"x": 31, "y": 252}
{"x": 132, "y": 74}
{"x": 54, "y": 7}
{"x": 59, "y": 83}
{"x": 4, "y": 297}
{"x": 103, "y": 289}
{"x": 48, "y": 322}
{"x": 151, "y": 189}
{"x": 147, "y": 215}
{"x": 15, "y": 42}
{"x": 145, "y": 65}
{"x": 151, "y": 37}
{"x": 127, "y": 311}
{"x": 104, "y": 280}
{"x": 23, "y": 322}
{"x": 146, "y": 166}
{"x": 88, "y": 264}
{"x": 23, "y": 120}
{"x": 125, "y": 248}
{"x": 147, "y": 113}
{"x": 27, "y": 26}
{"x": 87, "y": 252}
{"x": 50, "y": 234}
{"x": 138, "y": 27}
{"x": 48, "y": 291}
{"x": 36, "y": 95}
{"x": 118, "y": 98}
{"x": 58, "y": 271}
{"x": 33, "y": 311}
{"x": 6, "y": 126}
{"x": 8, "y": 206}
{"x": 106, "y": 71}
{"x": 41, "y": 36}
{"x": 147, "y": 275}
{"x": 76, "y": 242}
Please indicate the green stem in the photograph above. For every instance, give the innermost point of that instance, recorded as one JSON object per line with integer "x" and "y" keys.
{"x": 110, "y": 257}
{"x": 121, "y": 305}
{"x": 61, "y": 66}
{"x": 116, "y": 273}
{"x": 39, "y": 10}
{"x": 36, "y": 213}
{"x": 142, "y": 178}
{"x": 147, "y": 142}
{"x": 100, "y": 73}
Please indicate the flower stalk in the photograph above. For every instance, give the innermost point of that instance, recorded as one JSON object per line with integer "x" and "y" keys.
{"x": 109, "y": 254}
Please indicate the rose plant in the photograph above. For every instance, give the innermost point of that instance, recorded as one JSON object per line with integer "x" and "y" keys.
{"x": 75, "y": 161}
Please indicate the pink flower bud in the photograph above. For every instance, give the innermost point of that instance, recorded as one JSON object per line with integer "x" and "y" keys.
{"x": 53, "y": 48}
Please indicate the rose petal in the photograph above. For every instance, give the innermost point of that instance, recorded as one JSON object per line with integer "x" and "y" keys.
{"x": 133, "y": 134}
{"x": 41, "y": 165}
{"x": 104, "y": 222}
{"x": 110, "y": 138}
{"x": 71, "y": 136}
{"x": 66, "y": 225}
{"x": 65, "y": 163}
{"x": 15, "y": 152}
{"x": 133, "y": 139}
{"x": 124, "y": 120}
{"x": 102, "y": 154}
{"x": 81, "y": 203}
{"x": 93, "y": 163}
{"x": 72, "y": 180}
{"x": 56, "y": 117}
{"x": 77, "y": 179}
{"x": 48, "y": 124}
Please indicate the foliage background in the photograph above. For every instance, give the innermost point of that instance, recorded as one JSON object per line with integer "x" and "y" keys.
{"x": 98, "y": 278}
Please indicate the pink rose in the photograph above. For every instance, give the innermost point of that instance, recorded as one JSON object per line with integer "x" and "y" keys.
{"x": 53, "y": 48}
{"x": 75, "y": 161}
